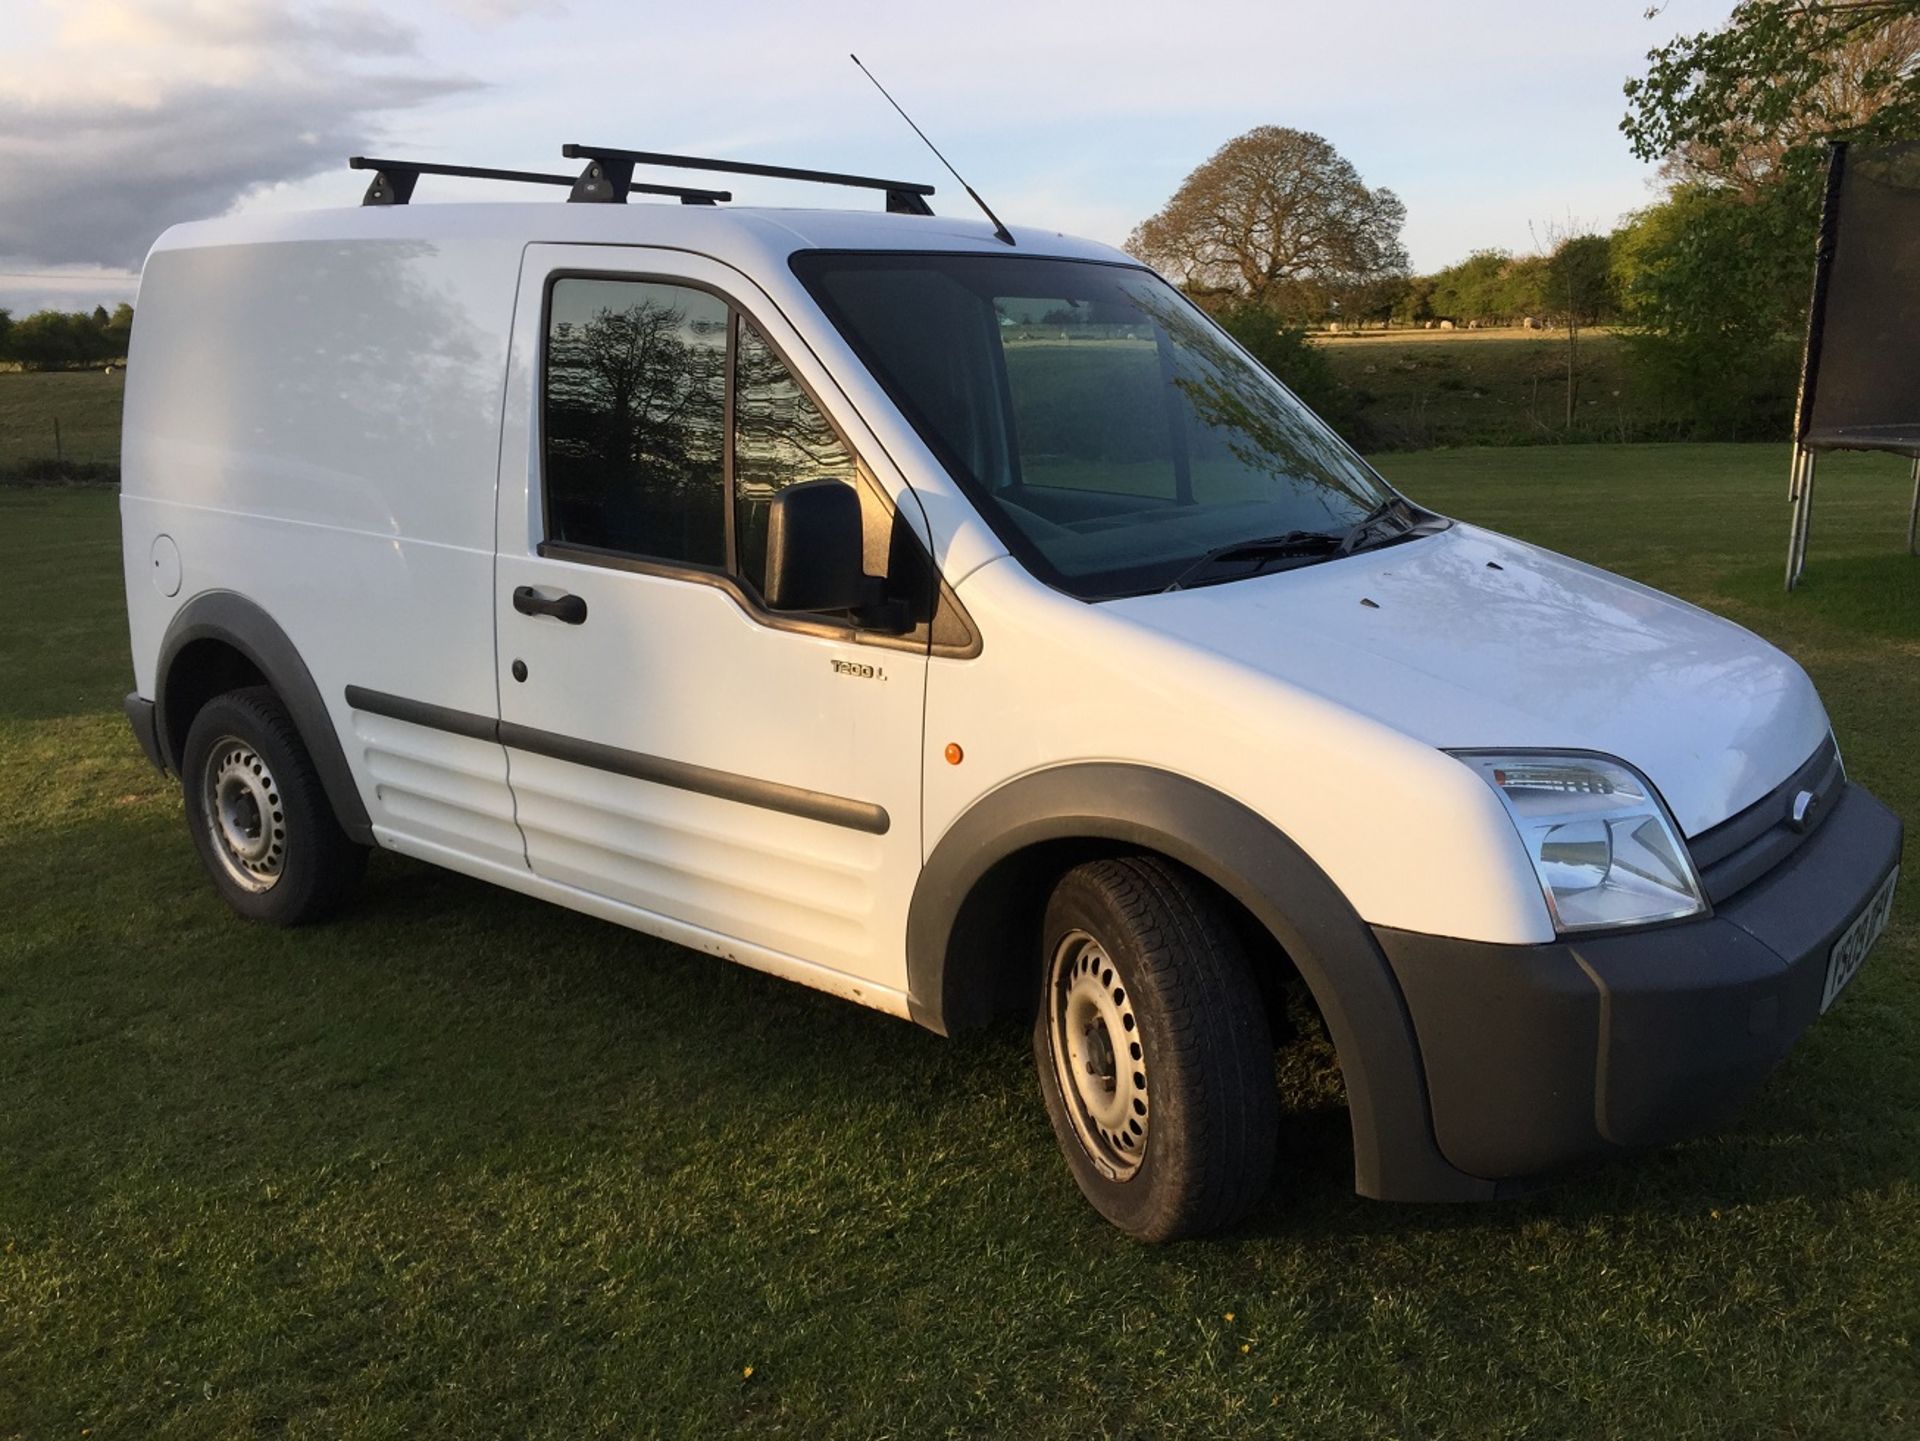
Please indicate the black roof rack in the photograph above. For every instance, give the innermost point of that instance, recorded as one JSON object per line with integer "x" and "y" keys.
{"x": 393, "y": 181}
{"x": 608, "y": 170}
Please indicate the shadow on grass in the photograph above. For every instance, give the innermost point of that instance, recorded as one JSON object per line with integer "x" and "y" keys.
{"x": 1837, "y": 1118}
{"x": 1830, "y": 1122}
{"x": 444, "y": 1019}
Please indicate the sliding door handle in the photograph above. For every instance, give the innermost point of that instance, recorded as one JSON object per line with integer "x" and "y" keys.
{"x": 568, "y": 608}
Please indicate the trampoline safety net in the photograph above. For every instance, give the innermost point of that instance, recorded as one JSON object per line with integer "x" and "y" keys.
{"x": 1860, "y": 377}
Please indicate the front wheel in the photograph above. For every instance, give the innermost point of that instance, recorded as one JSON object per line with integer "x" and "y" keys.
{"x": 1155, "y": 1059}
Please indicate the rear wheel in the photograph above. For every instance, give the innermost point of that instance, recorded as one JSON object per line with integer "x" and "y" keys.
{"x": 259, "y": 816}
{"x": 1154, "y": 1054}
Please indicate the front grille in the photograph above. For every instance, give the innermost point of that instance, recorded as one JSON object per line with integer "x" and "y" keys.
{"x": 1744, "y": 847}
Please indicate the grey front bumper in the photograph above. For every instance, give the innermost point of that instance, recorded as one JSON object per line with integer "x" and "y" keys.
{"x": 1540, "y": 1057}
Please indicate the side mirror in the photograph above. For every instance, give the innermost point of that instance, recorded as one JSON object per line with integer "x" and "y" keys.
{"x": 815, "y": 557}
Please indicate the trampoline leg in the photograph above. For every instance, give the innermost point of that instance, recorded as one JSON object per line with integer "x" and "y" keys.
{"x": 1913, "y": 512}
{"x": 1806, "y": 511}
{"x": 1793, "y": 523}
{"x": 1802, "y": 520}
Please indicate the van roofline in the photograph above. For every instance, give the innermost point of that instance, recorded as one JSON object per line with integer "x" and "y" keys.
{"x": 735, "y": 233}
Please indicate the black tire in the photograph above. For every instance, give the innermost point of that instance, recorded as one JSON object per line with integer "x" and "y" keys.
{"x": 243, "y": 746}
{"x": 1194, "y": 1147}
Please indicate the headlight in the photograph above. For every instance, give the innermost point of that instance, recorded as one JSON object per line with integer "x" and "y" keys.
{"x": 1605, "y": 849}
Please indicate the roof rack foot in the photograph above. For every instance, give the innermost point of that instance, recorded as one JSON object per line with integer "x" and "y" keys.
{"x": 390, "y": 187}
{"x": 603, "y": 182}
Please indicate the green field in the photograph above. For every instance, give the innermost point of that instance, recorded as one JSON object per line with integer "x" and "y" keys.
{"x": 463, "y": 1164}
{"x": 1424, "y": 388}
{"x": 86, "y": 403}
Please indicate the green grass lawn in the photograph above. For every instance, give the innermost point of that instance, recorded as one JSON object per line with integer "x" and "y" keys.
{"x": 464, "y": 1164}
{"x": 85, "y": 402}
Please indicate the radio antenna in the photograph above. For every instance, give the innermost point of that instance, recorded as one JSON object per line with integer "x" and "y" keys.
{"x": 998, "y": 229}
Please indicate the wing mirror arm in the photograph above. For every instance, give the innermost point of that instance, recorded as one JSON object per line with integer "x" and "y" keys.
{"x": 881, "y": 612}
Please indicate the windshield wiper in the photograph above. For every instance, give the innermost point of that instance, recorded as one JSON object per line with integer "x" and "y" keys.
{"x": 1260, "y": 550}
{"x": 1395, "y": 508}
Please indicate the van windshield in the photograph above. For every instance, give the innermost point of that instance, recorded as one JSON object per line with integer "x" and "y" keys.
{"x": 1109, "y": 433}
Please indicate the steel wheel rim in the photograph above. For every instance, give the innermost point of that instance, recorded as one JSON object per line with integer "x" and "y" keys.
{"x": 1099, "y": 1059}
{"x": 245, "y": 816}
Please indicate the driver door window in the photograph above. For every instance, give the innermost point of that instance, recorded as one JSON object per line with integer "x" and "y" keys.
{"x": 670, "y": 426}
{"x": 636, "y": 393}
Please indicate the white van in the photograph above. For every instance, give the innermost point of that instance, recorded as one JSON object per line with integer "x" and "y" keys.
{"x": 961, "y": 623}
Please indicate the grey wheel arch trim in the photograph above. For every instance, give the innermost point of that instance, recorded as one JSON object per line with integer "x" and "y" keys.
{"x": 1394, "y": 1151}
{"x": 223, "y": 615}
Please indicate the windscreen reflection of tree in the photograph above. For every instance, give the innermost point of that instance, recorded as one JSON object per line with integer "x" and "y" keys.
{"x": 1240, "y": 414}
{"x": 780, "y": 439}
{"x": 636, "y": 408}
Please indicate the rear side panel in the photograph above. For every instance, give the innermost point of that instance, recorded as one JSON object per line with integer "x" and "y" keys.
{"x": 315, "y": 426}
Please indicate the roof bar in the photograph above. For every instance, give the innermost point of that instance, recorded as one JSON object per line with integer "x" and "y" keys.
{"x": 609, "y": 168}
{"x": 393, "y": 181}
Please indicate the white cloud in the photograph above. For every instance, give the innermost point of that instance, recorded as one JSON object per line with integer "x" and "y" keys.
{"x": 498, "y": 12}
{"x": 127, "y": 118}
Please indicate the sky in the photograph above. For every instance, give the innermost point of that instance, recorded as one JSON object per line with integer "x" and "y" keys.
{"x": 118, "y": 118}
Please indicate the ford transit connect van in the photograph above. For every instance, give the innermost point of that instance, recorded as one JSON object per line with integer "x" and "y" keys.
{"x": 961, "y": 626}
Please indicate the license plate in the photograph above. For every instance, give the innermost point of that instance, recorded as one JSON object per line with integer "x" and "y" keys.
{"x": 1850, "y": 951}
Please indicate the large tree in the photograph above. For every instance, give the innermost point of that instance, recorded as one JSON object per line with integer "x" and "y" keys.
{"x": 1749, "y": 105}
{"x": 1275, "y": 212}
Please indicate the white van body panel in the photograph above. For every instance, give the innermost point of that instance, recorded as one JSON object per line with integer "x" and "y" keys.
{"x": 1473, "y": 641}
{"x": 316, "y": 426}
{"x": 1411, "y": 836}
{"x": 652, "y": 923}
